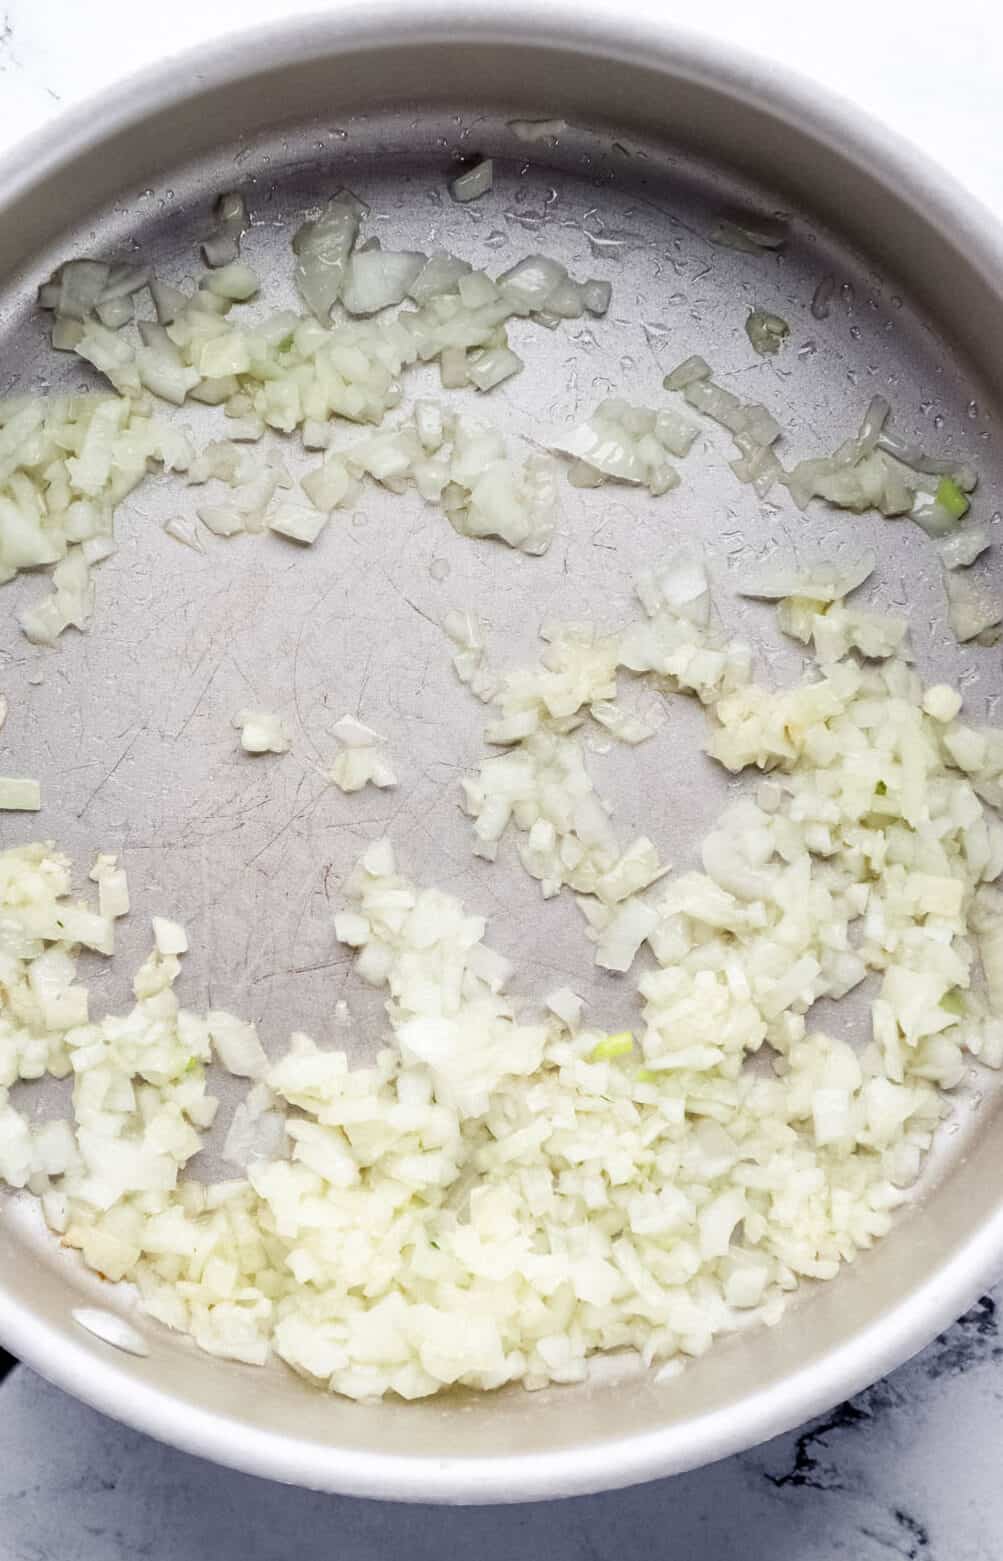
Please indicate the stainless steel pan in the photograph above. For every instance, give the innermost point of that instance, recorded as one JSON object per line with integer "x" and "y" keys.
{"x": 128, "y": 727}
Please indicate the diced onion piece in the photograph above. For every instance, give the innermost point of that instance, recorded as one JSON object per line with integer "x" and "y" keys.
{"x": 224, "y": 520}
{"x": 169, "y": 936}
{"x": 973, "y": 608}
{"x": 538, "y": 129}
{"x": 355, "y": 768}
{"x": 235, "y": 281}
{"x": 631, "y": 924}
{"x": 167, "y": 300}
{"x": 440, "y": 275}
{"x": 81, "y": 285}
{"x": 182, "y": 531}
{"x": 353, "y": 733}
{"x": 236, "y": 1045}
{"x": 473, "y": 182}
{"x": 329, "y": 485}
{"x": 627, "y": 443}
{"x": 818, "y": 581}
{"x": 322, "y": 248}
{"x": 376, "y": 279}
{"x": 115, "y": 312}
{"x": 596, "y": 296}
{"x": 297, "y": 522}
{"x": 113, "y": 886}
{"x": 491, "y": 366}
{"x": 942, "y": 702}
{"x": 360, "y": 762}
{"x": 262, "y": 732}
{"x": 222, "y": 247}
{"x": 567, "y": 1006}
{"x": 20, "y": 795}
{"x": 964, "y": 546}
{"x": 689, "y": 372}
{"x": 767, "y": 332}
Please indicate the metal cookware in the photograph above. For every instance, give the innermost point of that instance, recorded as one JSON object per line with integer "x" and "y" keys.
{"x": 128, "y": 727}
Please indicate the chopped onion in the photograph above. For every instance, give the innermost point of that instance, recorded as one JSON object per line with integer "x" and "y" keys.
{"x": 491, "y": 366}
{"x": 623, "y": 936}
{"x": 222, "y": 247}
{"x": 494, "y": 1198}
{"x": 20, "y": 795}
{"x": 439, "y": 276}
{"x": 224, "y": 520}
{"x": 375, "y": 279}
{"x": 538, "y": 129}
{"x": 964, "y": 547}
{"x": 541, "y": 286}
{"x": 360, "y": 762}
{"x": 236, "y": 1044}
{"x": 627, "y": 443}
{"x": 169, "y": 936}
{"x": 354, "y": 734}
{"x": 115, "y": 313}
{"x": 322, "y": 249}
{"x": 262, "y": 732}
{"x": 384, "y": 1152}
{"x": 81, "y": 286}
{"x": 168, "y": 301}
{"x": 297, "y": 522}
{"x": 767, "y": 332}
{"x": 687, "y": 373}
{"x": 972, "y": 608}
{"x": 113, "y": 886}
{"x": 818, "y": 581}
{"x": 356, "y": 768}
{"x": 235, "y": 281}
{"x": 474, "y": 182}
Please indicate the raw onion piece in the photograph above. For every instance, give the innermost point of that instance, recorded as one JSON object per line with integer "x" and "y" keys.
{"x": 964, "y": 547}
{"x": 482, "y": 490}
{"x": 628, "y": 443}
{"x": 753, "y": 429}
{"x": 767, "y": 332}
{"x": 297, "y": 522}
{"x": 20, "y": 795}
{"x": 835, "y": 629}
{"x": 473, "y": 182}
{"x": 377, "y": 278}
{"x": 222, "y": 247}
{"x": 360, "y": 762}
{"x": 58, "y": 506}
{"x": 819, "y": 580}
{"x": 972, "y": 608}
{"x": 549, "y": 130}
{"x": 261, "y": 731}
{"x": 322, "y": 248}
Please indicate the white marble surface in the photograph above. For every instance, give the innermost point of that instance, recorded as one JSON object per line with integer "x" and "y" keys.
{"x": 909, "y": 1468}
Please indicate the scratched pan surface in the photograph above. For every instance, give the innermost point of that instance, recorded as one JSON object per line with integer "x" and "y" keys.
{"x": 128, "y": 727}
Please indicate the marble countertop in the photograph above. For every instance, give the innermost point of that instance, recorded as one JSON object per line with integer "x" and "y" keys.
{"x": 909, "y": 1468}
